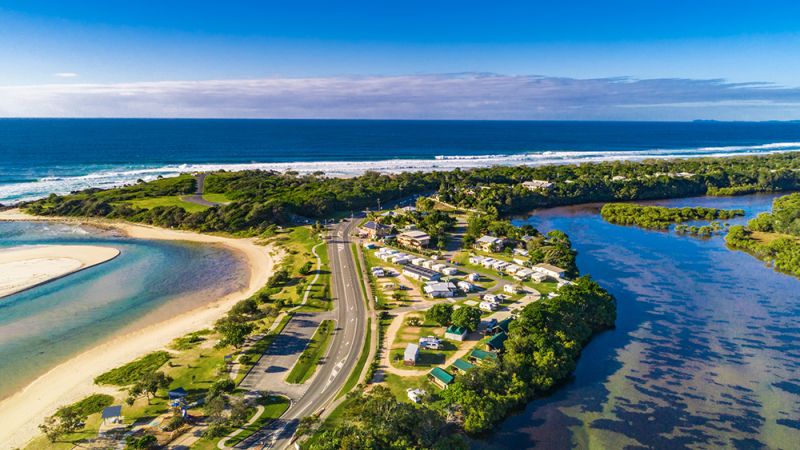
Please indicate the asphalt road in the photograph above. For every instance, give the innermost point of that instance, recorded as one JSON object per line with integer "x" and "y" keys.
{"x": 351, "y": 323}
{"x": 197, "y": 197}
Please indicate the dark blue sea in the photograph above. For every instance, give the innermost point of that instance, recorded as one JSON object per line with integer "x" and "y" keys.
{"x": 39, "y": 156}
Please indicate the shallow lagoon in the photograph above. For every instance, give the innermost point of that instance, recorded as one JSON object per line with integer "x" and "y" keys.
{"x": 150, "y": 281}
{"x": 706, "y": 352}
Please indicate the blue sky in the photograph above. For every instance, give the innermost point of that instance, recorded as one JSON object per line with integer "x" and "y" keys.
{"x": 85, "y": 55}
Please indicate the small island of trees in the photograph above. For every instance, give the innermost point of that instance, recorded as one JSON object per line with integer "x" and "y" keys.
{"x": 661, "y": 217}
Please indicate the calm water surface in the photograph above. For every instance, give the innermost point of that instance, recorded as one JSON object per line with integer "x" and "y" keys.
{"x": 706, "y": 353}
{"x": 148, "y": 282}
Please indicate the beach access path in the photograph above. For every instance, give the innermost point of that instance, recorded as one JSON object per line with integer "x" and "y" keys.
{"x": 22, "y": 412}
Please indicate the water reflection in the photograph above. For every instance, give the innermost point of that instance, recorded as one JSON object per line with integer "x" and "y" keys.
{"x": 705, "y": 353}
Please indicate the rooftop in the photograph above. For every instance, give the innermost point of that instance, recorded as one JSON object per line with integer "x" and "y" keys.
{"x": 549, "y": 267}
{"x": 482, "y": 354}
{"x": 441, "y": 375}
{"x": 456, "y": 330}
{"x": 112, "y": 411}
{"x": 413, "y": 268}
{"x": 497, "y": 341}
{"x": 372, "y": 225}
{"x": 411, "y": 352}
{"x": 462, "y": 365}
{"x": 487, "y": 239}
{"x": 415, "y": 234}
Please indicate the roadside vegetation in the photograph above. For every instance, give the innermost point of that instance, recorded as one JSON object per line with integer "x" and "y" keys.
{"x": 309, "y": 360}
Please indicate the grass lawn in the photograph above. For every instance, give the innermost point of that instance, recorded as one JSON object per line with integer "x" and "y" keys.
{"x": 274, "y": 407}
{"x": 398, "y": 385}
{"x": 216, "y": 198}
{"x": 170, "y": 200}
{"x": 68, "y": 441}
{"x": 427, "y": 358}
{"x": 298, "y": 242}
{"x": 315, "y": 350}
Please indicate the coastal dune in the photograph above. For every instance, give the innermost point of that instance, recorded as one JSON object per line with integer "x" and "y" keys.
{"x": 22, "y": 412}
{"x": 25, "y": 267}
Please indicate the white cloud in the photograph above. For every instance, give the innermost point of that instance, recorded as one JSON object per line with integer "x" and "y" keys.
{"x": 435, "y": 96}
{"x": 65, "y": 75}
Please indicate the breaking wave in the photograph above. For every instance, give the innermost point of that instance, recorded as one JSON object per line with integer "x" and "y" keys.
{"x": 15, "y": 192}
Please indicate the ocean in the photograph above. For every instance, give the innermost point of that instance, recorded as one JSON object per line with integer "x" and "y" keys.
{"x": 40, "y": 156}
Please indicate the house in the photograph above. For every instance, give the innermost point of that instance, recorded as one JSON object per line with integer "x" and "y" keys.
{"x": 439, "y": 289}
{"x": 411, "y": 354}
{"x": 523, "y": 274}
{"x": 519, "y": 261}
{"x": 430, "y": 342}
{"x": 374, "y": 230}
{"x": 481, "y": 356}
{"x": 511, "y": 269}
{"x": 418, "y": 261}
{"x": 497, "y": 342}
{"x": 489, "y": 243}
{"x": 475, "y": 259}
{"x": 420, "y": 273}
{"x": 520, "y": 252}
{"x": 428, "y": 264}
{"x": 455, "y": 333}
{"x": 465, "y": 286}
{"x": 511, "y": 289}
{"x": 438, "y": 267}
{"x": 536, "y": 185}
{"x": 490, "y": 298}
{"x": 474, "y": 277}
{"x": 461, "y": 366}
{"x": 549, "y": 270}
{"x": 538, "y": 277}
{"x": 418, "y": 239}
{"x": 440, "y": 377}
{"x": 415, "y": 395}
{"x": 500, "y": 327}
{"x": 449, "y": 271}
{"x": 487, "y": 262}
{"x": 488, "y": 306}
{"x": 500, "y": 265}
{"x": 378, "y": 271}
{"x": 488, "y": 326}
{"x": 112, "y": 414}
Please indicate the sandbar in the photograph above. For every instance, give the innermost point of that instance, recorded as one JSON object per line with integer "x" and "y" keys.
{"x": 25, "y": 267}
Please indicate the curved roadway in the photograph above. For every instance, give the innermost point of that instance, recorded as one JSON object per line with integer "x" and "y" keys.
{"x": 343, "y": 352}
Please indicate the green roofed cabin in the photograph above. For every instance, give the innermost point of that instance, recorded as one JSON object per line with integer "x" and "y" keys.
{"x": 440, "y": 377}
{"x": 479, "y": 356}
{"x": 502, "y": 326}
{"x": 455, "y": 333}
{"x": 461, "y": 366}
{"x": 495, "y": 344}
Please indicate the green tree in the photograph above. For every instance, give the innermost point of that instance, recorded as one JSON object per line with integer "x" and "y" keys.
{"x": 440, "y": 313}
{"x": 468, "y": 317}
{"x": 233, "y": 331}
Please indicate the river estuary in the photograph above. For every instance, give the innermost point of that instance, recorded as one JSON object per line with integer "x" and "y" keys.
{"x": 706, "y": 352}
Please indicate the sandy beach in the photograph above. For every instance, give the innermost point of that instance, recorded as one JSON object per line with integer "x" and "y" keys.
{"x": 25, "y": 267}
{"x": 66, "y": 383}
